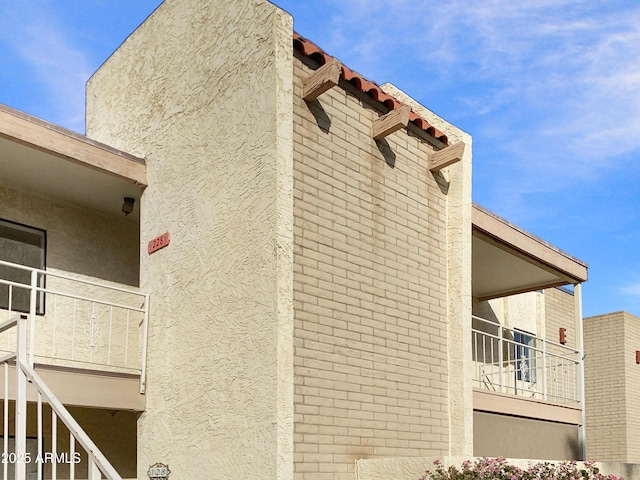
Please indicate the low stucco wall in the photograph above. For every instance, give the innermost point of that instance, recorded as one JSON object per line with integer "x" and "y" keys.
{"x": 410, "y": 468}
{"x": 630, "y": 471}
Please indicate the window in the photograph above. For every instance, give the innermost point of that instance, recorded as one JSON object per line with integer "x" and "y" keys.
{"x": 21, "y": 245}
{"x": 525, "y": 356}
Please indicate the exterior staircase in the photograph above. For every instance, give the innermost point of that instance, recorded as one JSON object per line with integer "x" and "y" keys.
{"x": 70, "y": 324}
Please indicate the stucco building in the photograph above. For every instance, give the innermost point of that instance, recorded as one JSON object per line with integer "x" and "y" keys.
{"x": 303, "y": 280}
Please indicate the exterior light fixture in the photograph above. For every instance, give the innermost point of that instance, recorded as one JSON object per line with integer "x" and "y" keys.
{"x": 563, "y": 336}
{"x": 127, "y": 206}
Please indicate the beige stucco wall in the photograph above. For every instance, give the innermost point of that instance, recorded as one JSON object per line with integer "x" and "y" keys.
{"x": 371, "y": 287}
{"x": 541, "y": 313}
{"x": 612, "y": 387}
{"x": 202, "y": 91}
{"x": 525, "y": 311}
{"x": 80, "y": 241}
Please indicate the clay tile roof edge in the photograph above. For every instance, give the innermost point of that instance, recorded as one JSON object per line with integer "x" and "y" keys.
{"x": 310, "y": 49}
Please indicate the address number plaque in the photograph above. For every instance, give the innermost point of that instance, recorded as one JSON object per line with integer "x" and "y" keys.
{"x": 158, "y": 471}
{"x": 158, "y": 242}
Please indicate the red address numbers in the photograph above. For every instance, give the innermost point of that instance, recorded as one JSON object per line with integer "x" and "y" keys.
{"x": 158, "y": 242}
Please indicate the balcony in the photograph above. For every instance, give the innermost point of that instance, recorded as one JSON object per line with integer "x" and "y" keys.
{"x": 527, "y": 388}
{"x": 65, "y": 340}
{"x": 508, "y": 361}
{"x": 88, "y": 339}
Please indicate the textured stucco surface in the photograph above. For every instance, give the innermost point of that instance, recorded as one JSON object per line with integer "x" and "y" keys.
{"x": 541, "y": 313}
{"x": 80, "y": 241}
{"x": 203, "y": 92}
{"x": 524, "y": 311}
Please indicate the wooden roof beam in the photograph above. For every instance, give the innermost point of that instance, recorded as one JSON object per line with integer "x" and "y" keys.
{"x": 445, "y": 157}
{"x": 323, "y": 79}
{"x": 393, "y": 121}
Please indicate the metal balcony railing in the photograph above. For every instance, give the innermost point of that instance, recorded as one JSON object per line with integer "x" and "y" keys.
{"x": 511, "y": 361}
{"x": 74, "y": 322}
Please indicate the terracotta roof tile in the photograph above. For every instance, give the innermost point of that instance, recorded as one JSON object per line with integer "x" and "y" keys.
{"x": 372, "y": 89}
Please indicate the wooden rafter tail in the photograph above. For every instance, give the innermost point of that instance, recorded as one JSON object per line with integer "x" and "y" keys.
{"x": 324, "y": 78}
{"x": 445, "y": 157}
{"x": 393, "y": 121}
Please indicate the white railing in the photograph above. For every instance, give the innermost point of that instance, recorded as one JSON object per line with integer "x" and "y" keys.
{"x": 24, "y": 463}
{"x": 76, "y": 322}
{"x": 510, "y": 361}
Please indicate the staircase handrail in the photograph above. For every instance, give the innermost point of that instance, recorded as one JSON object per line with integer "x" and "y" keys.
{"x": 96, "y": 457}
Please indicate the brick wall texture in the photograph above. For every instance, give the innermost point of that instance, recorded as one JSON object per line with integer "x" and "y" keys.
{"x": 370, "y": 299}
{"x": 559, "y": 312}
{"x": 612, "y": 387}
{"x": 559, "y": 309}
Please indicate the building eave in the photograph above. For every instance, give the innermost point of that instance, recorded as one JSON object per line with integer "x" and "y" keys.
{"x": 509, "y": 260}
{"x": 20, "y": 127}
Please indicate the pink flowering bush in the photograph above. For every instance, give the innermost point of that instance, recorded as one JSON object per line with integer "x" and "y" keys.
{"x": 499, "y": 469}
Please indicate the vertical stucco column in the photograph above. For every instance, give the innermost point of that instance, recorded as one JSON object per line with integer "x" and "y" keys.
{"x": 460, "y": 305}
{"x": 582, "y": 436}
{"x": 203, "y": 92}
{"x": 284, "y": 241}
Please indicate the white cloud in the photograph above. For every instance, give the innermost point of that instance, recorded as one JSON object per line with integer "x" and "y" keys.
{"x": 555, "y": 82}
{"x": 632, "y": 289}
{"x": 31, "y": 30}
{"x": 552, "y": 85}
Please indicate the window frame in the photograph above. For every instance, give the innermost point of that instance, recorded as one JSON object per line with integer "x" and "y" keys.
{"x": 42, "y": 234}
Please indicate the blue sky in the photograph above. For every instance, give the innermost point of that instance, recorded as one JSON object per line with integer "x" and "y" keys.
{"x": 549, "y": 90}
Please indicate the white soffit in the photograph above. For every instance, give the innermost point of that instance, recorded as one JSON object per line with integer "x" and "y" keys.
{"x": 508, "y": 260}
{"x": 48, "y": 161}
